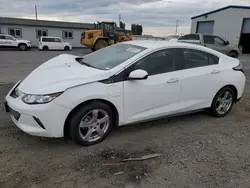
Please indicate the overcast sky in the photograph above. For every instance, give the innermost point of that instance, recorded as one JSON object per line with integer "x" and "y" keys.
{"x": 158, "y": 17}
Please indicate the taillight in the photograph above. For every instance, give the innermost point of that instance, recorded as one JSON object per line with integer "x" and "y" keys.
{"x": 239, "y": 67}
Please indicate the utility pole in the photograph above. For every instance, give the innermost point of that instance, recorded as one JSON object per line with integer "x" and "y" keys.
{"x": 120, "y": 17}
{"x": 36, "y": 11}
{"x": 176, "y": 26}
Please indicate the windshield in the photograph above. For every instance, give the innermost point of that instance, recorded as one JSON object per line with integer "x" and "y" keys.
{"x": 112, "y": 56}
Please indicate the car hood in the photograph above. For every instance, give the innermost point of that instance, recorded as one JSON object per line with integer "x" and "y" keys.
{"x": 58, "y": 74}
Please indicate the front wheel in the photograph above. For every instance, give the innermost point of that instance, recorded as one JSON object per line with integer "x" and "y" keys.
{"x": 223, "y": 102}
{"x": 91, "y": 123}
{"x": 101, "y": 44}
{"x": 23, "y": 47}
{"x": 66, "y": 48}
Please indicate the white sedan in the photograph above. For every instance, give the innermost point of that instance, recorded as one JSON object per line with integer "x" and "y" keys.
{"x": 85, "y": 97}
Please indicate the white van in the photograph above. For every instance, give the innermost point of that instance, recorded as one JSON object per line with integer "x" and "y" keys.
{"x": 53, "y": 43}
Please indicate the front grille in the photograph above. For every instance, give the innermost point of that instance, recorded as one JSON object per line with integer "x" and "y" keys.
{"x": 14, "y": 113}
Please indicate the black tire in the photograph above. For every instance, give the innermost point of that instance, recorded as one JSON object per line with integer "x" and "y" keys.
{"x": 101, "y": 43}
{"x": 22, "y": 47}
{"x": 74, "y": 123}
{"x": 233, "y": 54}
{"x": 45, "y": 48}
{"x": 213, "y": 108}
{"x": 66, "y": 48}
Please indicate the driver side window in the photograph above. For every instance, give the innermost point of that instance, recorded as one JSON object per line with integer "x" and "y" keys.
{"x": 159, "y": 62}
{"x": 219, "y": 41}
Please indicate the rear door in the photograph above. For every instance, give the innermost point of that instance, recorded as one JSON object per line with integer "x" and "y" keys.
{"x": 6, "y": 41}
{"x": 49, "y": 42}
{"x": 200, "y": 79}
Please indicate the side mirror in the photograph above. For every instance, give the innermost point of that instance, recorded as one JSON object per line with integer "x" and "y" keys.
{"x": 227, "y": 43}
{"x": 138, "y": 74}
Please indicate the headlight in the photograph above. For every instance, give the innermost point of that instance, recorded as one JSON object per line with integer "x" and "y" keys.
{"x": 39, "y": 99}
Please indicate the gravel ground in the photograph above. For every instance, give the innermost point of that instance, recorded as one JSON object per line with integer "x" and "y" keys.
{"x": 197, "y": 150}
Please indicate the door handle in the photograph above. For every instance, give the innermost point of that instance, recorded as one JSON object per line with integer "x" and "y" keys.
{"x": 173, "y": 80}
{"x": 215, "y": 72}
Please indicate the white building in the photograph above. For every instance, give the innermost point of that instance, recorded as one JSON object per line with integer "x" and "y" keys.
{"x": 231, "y": 23}
{"x": 32, "y": 29}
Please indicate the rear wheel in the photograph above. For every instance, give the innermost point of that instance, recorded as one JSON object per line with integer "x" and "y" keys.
{"x": 233, "y": 54}
{"x": 22, "y": 47}
{"x": 66, "y": 48}
{"x": 91, "y": 123}
{"x": 101, "y": 44}
{"x": 45, "y": 48}
{"x": 223, "y": 102}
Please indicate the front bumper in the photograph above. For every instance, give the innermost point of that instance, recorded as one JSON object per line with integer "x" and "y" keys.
{"x": 45, "y": 120}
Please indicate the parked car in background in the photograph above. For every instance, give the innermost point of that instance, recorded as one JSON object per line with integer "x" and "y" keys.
{"x": 53, "y": 43}
{"x": 212, "y": 41}
{"x": 85, "y": 97}
{"x": 7, "y": 41}
{"x": 172, "y": 38}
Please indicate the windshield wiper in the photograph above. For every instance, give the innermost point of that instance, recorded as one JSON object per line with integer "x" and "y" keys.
{"x": 80, "y": 60}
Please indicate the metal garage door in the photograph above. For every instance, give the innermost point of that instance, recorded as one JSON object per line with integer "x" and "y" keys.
{"x": 246, "y": 26}
{"x": 205, "y": 27}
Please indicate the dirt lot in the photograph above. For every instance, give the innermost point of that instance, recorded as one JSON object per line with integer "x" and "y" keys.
{"x": 197, "y": 150}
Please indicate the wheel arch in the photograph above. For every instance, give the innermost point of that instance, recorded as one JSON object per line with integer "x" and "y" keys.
{"x": 21, "y": 43}
{"x": 235, "y": 51}
{"x": 101, "y": 38}
{"x": 66, "y": 128}
{"x": 231, "y": 87}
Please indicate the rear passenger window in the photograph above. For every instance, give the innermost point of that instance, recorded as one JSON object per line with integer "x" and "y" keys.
{"x": 213, "y": 60}
{"x": 195, "y": 58}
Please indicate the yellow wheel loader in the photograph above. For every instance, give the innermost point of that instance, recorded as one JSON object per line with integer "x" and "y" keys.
{"x": 103, "y": 35}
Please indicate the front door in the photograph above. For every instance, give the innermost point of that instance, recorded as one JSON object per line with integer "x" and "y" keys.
{"x": 58, "y": 45}
{"x": 158, "y": 95}
{"x": 215, "y": 43}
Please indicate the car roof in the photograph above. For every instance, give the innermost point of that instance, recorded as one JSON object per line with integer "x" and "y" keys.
{"x": 152, "y": 45}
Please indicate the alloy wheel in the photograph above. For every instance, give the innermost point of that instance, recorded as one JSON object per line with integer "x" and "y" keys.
{"x": 94, "y": 125}
{"x": 224, "y": 102}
